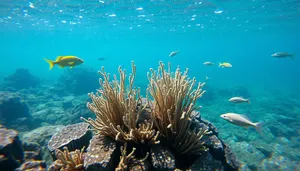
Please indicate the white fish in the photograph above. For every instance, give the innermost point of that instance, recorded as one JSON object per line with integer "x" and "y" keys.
{"x": 242, "y": 120}
{"x": 239, "y": 100}
{"x": 282, "y": 55}
{"x": 208, "y": 63}
{"x": 174, "y": 53}
{"x": 225, "y": 65}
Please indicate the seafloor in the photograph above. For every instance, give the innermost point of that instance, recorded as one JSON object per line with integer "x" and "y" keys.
{"x": 40, "y": 109}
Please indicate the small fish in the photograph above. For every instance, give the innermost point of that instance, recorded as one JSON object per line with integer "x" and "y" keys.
{"x": 65, "y": 61}
{"x": 242, "y": 120}
{"x": 208, "y": 63}
{"x": 225, "y": 64}
{"x": 239, "y": 100}
{"x": 174, "y": 53}
{"x": 206, "y": 78}
{"x": 282, "y": 55}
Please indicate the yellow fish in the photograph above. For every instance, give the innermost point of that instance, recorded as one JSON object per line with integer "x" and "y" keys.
{"x": 65, "y": 61}
{"x": 225, "y": 64}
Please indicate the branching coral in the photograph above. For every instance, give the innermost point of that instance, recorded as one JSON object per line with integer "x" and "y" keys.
{"x": 67, "y": 161}
{"x": 117, "y": 110}
{"x": 125, "y": 160}
{"x": 173, "y": 106}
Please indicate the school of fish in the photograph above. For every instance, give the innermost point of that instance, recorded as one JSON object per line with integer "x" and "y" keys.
{"x": 235, "y": 118}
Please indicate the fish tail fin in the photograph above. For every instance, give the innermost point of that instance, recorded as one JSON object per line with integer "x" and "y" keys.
{"x": 220, "y": 64}
{"x": 258, "y": 127}
{"x": 248, "y": 100}
{"x": 51, "y": 63}
{"x": 292, "y": 56}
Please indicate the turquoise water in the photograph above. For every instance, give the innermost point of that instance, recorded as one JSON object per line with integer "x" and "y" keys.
{"x": 242, "y": 32}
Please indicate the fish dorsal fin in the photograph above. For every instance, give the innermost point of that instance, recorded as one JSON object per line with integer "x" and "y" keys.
{"x": 59, "y": 58}
{"x": 246, "y": 117}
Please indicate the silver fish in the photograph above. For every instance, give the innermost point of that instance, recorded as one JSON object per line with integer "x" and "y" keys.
{"x": 282, "y": 55}
{"x": 208, "y": 63}
{"x": 242, "y": 120}
{"x": 239, "y": 100}
{"x": 173, "y": 53}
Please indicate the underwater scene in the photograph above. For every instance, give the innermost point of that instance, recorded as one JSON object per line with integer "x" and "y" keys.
{"x": 156, "y": 85}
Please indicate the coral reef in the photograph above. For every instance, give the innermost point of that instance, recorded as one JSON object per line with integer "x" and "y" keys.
{"x": 14, "y": 111}
{"x": 21, "y": 79}
{"x": 170, "y": 117}
{"x": 277, "y": 150}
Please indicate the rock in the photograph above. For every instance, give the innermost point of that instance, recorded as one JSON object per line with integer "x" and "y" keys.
{"x": 279, "y": 162}
{"x": 67, "y": 102}
{"x": 102, "y": 154}
{"x": 138, "y": 165}
{"x": 32, "y": 165}
{"x": 78, "y": 110}
{"x": 32, "y": 151}
{"x": 21, "y": 79}
{"x": 11, "y": 152}
{"x": 41, "y": 136}
{"x": 218, "y": 149}
{"x": 248, "y": 153}
{"x": 79, "y": 81}
{"x": 14, "y": 111}
{"x": 208, "y": 163}
{"x": 231, "y": 162}
{"x": 162, "y": 158}
{"x": 73, "y": 136}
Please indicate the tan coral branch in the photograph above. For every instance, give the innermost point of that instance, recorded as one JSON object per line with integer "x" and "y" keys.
{"x": 69, "y": 161}
{"x": 174, "y": 102}
{"x": 125, "y": 159}
{"x": 117, "y": 110}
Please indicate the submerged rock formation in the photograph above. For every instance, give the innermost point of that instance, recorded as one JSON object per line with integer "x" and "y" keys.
{"x": 14, "y": 111}
{"x": 21, "y": 79}
{"x": 17, "y": 156}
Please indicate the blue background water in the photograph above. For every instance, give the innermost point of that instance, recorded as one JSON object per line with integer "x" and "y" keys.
{"x": 245, "y": 34}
